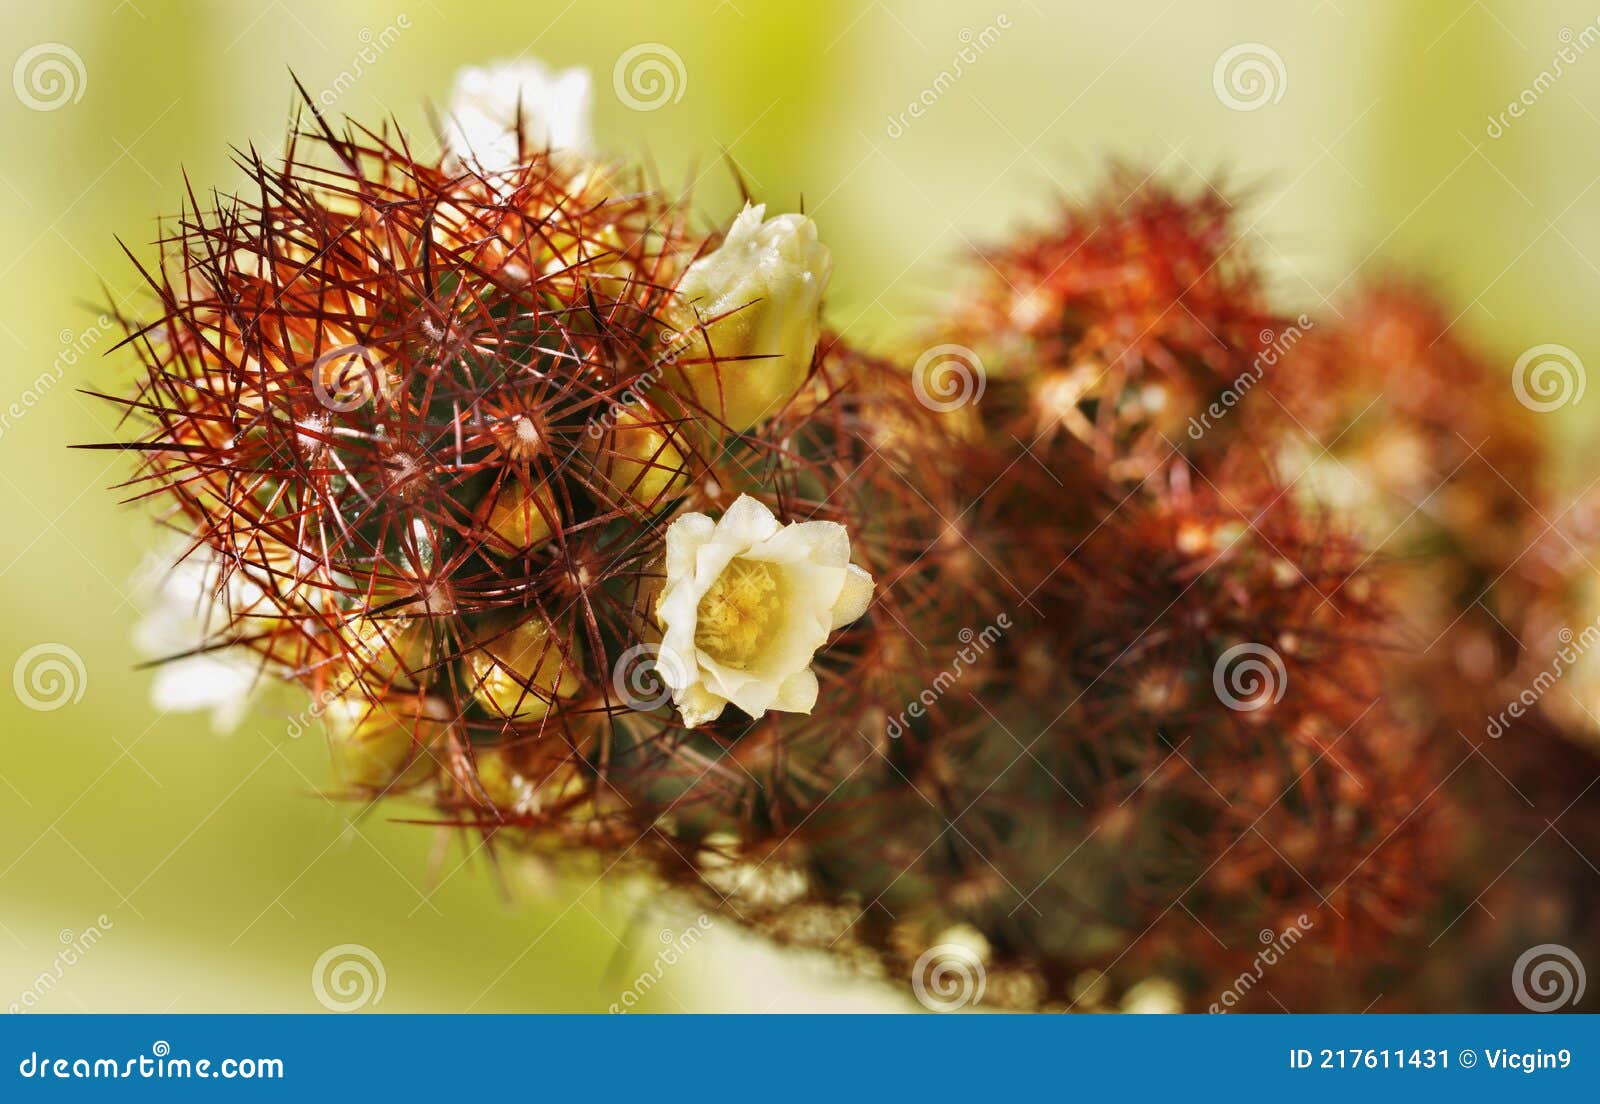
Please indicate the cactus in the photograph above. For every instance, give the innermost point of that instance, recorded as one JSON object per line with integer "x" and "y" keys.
{"x": 580, "y": 528}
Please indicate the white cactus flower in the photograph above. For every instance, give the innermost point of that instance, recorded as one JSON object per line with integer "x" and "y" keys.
{"x": 181, "y": 614}
{"x": 747, "y": 603}
{"x": 481, "y": 129}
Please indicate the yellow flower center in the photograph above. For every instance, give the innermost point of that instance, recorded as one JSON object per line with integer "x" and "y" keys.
{"x": 739, "y": 612}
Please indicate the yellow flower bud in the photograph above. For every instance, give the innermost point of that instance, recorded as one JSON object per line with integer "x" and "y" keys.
{"x": 757, "y": 296}
{"x": 387, "y": 651}
{"x": 521, "y": 672}
{"x": 518, "y": 520}
{"x": 640, "y": 458}
{"x": 384, "y": 742}
{"x": 527, "y": 779}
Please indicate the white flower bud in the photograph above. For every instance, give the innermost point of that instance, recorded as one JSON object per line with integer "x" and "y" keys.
{"x": 758, "y": 295}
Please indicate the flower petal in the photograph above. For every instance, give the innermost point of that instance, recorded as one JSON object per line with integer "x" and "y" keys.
{"x": 750, "y": 691}
{"x": 487, "y": 105}
{"x": 798, "y": 694}
{"x": 199, "y": 682}
{"x": 684, "y": 538}
{"x": 819, "y": 542}
{"x": 697, "y": 705}
{"x": 854, "y": 597}
{"x": 748, "y": 522}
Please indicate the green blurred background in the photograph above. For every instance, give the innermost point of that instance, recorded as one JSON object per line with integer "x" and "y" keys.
{"x": 222, "y": 872}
